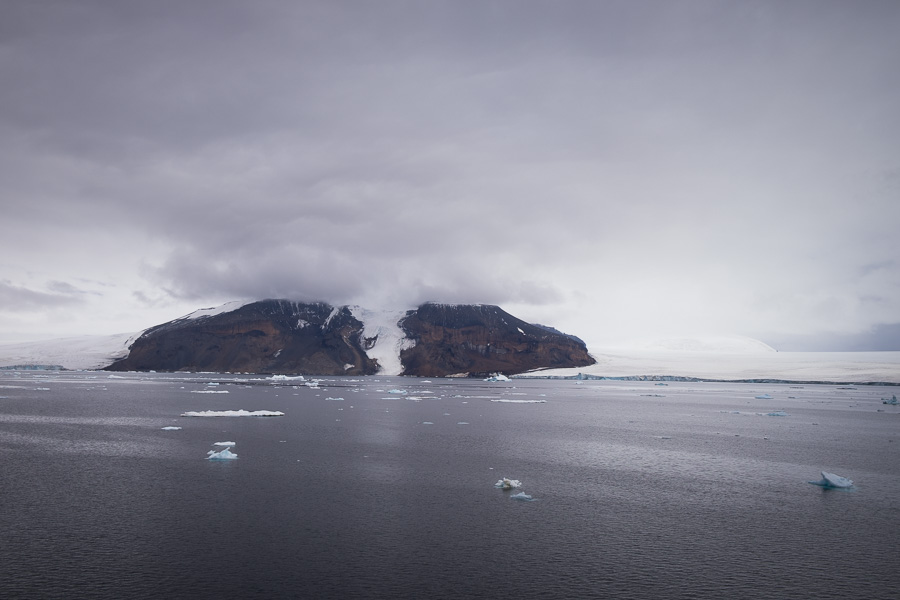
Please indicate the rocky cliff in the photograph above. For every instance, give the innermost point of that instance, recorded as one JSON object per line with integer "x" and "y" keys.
{"x": 270, "y": 336}
{"x": 456, "y": 339}
{"x": 280, "y": 336}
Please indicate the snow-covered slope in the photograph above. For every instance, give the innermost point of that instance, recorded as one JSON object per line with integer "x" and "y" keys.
{"x": 86, "y": 352}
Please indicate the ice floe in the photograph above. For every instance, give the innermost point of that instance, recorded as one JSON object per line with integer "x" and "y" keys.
{"x": 209, "y": 391}
{"x": 508, "y": 484}
{"x": 334, "y": 399}
{"x": 763, "y": 397}
{"x": 233, "y": 413}
{"x": 171, "y": 428}
{"x": 830, "y": 480}
{"x": 892, "y": 400}
{"x": 776, "y": 413}
{"x": 516, "y": 401}
{"x": 223, "y": 454}
{"x": 522, "y": 497}
{"x": 224, "y": 443}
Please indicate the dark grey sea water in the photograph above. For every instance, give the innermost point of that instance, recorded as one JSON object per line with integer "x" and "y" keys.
{"x": 688, "y": 490}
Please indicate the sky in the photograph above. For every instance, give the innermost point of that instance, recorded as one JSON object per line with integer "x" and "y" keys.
{"x": 620, "y": 170}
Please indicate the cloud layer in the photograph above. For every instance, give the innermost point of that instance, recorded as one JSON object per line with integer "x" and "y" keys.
{"x": 613, "y": 168}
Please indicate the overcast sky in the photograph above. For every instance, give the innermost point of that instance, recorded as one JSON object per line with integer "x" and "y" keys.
{"x": 616, "y": 169}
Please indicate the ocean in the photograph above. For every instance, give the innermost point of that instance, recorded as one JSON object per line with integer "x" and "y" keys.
{"x": 384, "y": 487}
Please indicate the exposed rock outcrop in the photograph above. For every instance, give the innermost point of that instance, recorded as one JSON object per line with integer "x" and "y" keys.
{"x": 479, "y": 339}
{"x": 270, "y": 336}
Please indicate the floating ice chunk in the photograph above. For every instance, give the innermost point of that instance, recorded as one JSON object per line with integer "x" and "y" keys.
{"x": 508, "y": 484}
{"x": 893, "y": 400}
{"x": 522, "y": 497}
{"x": 427, "y": 423}
{"x": 776, "y": 413}
{"x": 514, "y": 401}
{"x": 335, "y": 399}
{"x": 223, "y": 454}
{"x": 401, "y": 392}
{"x": 171, "y": 428}
{"x": 763, "y": 397}
{"x": 462, "y": 423}
{"x": 830, "y": 480}
{"x": 209, "y": 391}
{"x": 274, "y": 378}
{"x": 233, "y": 413}
{"x": 498, "y": 377}
{"x": 115, "y": 377}
{"x": 224, "y": 443}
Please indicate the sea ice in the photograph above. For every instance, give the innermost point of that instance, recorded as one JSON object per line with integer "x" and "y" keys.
{"x": 763, "y": 397}
{"x": 171, "y": 428}
{"x": 893, "y": 400}
{"x": 830, "y": 480}
{"x": 401, "y": 392}
{"x": 209, "y": 391}
{"x": 223, "y": 454}
{"x": 334, "y": 398}
{"x": 508, "y": 484}
{"x": 233, "y": 413}
{"x": 522, "y": 497}
{"x": 776, "y": 413}
{"x": 224, "y": 443}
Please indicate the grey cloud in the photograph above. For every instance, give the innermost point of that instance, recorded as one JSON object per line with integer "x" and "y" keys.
{"x": 15, "y": 298}
{"x": 736, "y": 161}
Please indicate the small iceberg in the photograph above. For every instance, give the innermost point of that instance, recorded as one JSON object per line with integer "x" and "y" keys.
{"x": 209, "y": 391}
{"x": 224, "y": 443}
{"x": 171, "y": 428}
{"x": 776, "y": 413}
{"x": 401, "y": 392}
{"x": 508, "y": 484}
{"x": 223, "y": 454}
{"x": 522, "y": 497}
{"x": 233, "y": 413}
{"x": 275, "y": 378}
{"x": 498, "y": 377}
{"x": 830, "y": 481}
{"x": 763, "y": 397}
{"x": 892, "y": 401}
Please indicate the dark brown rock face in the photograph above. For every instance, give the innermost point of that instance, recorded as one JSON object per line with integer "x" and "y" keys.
{"x": 270, "y": 336}
{"x": 482, "y": 339}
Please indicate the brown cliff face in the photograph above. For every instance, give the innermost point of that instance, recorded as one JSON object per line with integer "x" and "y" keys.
{"x": 270, "y": 336}
{"x": 482, "y": 339}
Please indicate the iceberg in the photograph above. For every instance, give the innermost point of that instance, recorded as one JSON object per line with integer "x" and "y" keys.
{"x": 763, "y": 397}
{"x": 223, "y": 454}
{"x": 224, "y": 443}
{"x": 776, "y": 413}
{"x": 892, "y": 401}
{"x": 830, "y": 480}
{"x": 508, "y": 484}
{"x": 233, "y": 413}
{"x": 513, "y": 401}
{"x": 209, "y": 391}
{"x": 522, "y": 497}
{"x": 171, "y": 428}
{"x": 275, "y": 378}
{"x": 498, "y": 377}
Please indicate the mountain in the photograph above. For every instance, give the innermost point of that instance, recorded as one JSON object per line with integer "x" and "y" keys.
{"x": 460, "y": 339}
{"x": 281, "y": 336}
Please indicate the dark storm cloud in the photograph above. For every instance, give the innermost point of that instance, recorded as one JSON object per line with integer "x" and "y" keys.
{"x": 731, "y": 165}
